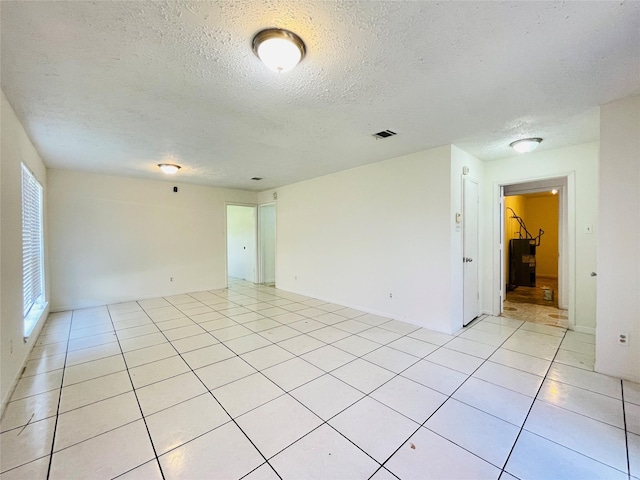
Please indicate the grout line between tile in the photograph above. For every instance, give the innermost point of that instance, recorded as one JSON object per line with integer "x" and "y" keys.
{"x": 449, "y": 397}
{"x": 531, "y": 407}
{"x": 364, "y": 395}
{"x": 626, "y": 431}
{"x": 295, "y": 399}
{"x": 139, "y": 406}
{"x": 259, "y": 466}
{"x": 221, "y": 406}
{"x": 254, "y": 293}
{"x": 55, "y": 427}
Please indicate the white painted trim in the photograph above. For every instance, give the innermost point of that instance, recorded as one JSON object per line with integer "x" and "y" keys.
{"x": 569, "y": 241}
{"x": 14, "y": 384}
{"x": 367, "y": 310}
{"x": 476, "y": 312}
{"x": 501, "y": 250}
{"x": 35, "y": 333}
{"x": 497, "y": 253}
{"x": 259, "y": 272}
{"x": 68, "y": 308}
{"x": 581, "y": 329}
{"x": 87, "y": 305}
{"x": 563, "y": 248}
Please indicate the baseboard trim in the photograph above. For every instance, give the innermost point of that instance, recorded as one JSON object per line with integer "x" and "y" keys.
{"x": 33, "y": 337}
{"x": 115, "y": 301}
{"x": 581, "y": 329}
{"x": 364, "y": 309}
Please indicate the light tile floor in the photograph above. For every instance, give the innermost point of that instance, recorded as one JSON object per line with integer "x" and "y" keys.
{"x": 257, "y": 383}
{"x": 530, "y": 312}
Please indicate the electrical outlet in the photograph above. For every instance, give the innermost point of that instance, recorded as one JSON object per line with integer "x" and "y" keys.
{"x": 623, "y": 338}
{"x": 171, "y": 279}
{"x": 391, "y": 295}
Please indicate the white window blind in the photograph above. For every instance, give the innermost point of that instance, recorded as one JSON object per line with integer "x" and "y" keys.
{"x": 32, "y": 244}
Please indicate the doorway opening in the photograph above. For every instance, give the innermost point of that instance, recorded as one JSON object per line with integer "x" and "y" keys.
{"x": 267, "y": 244}
{"x": 241, "y": 242}
{"x": 535, "y": 252}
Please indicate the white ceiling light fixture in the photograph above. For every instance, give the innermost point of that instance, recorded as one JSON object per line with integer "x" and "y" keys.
{"x": 280, "y": 50}
{"x": 526, "y": 145}
{"x": 169, "y": 168}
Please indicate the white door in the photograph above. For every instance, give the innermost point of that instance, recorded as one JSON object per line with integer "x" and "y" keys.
{"x": 241, "y": 242}
{"x": 503, "y": 247}
{"x": 470, "y": 206}
{"x": 267, "y": 243}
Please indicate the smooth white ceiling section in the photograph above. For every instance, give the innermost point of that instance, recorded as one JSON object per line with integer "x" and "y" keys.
{"x": 117, "y": 87}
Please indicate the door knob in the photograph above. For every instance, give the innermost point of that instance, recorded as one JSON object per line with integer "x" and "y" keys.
{"x": 594, "y": 274}
{"x": 467, "y": 259}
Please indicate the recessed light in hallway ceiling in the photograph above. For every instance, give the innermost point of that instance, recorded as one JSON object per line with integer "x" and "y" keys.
{"x": 526, "y": 145}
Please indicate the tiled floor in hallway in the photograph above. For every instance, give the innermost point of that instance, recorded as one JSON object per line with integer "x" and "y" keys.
{"x": 257, "y": 383}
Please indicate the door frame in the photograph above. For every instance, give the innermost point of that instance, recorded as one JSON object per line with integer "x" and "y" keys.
{"x": 259, "y": 271}
{"x": 566, "y": 240}
{"x": 478, "y": 312}
{"x": 226, "y": 238}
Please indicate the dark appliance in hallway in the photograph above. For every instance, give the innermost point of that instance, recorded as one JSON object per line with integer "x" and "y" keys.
{"x": 522, "y": 256}
{"x": 522, "y": 262}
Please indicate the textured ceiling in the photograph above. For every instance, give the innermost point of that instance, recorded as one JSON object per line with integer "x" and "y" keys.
{"x": 117, "y": 87}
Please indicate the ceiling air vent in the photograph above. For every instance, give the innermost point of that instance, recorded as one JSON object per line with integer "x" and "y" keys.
{"x": 384, "y": 134}
{"x": 257, "y": 179}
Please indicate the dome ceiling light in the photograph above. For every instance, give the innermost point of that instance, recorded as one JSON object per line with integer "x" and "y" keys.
{"x": 169, "y": 168}
{"x": 526, "y": 145}
{"x": 280, "y": 50}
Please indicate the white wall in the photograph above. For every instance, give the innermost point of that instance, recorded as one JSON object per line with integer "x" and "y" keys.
{"x": 114, "y": 239}
{"x": 582, "y": 162}
{"x": 241, "y": 242}
{"x": 619, "y": 240}
{"x": 357, "y": 236}
{"x": 543, "y": 212}
{"x": 15, "y": 148}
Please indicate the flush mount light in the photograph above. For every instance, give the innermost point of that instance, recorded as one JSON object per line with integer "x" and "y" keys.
{"x": 169, "y": 168}
{"x": 280, "y": 50}
{"x": 526, "y": 145}
{"x": 554, "y": 191}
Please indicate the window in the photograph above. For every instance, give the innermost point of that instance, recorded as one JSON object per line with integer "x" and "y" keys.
{"x": 32, "y": 251}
